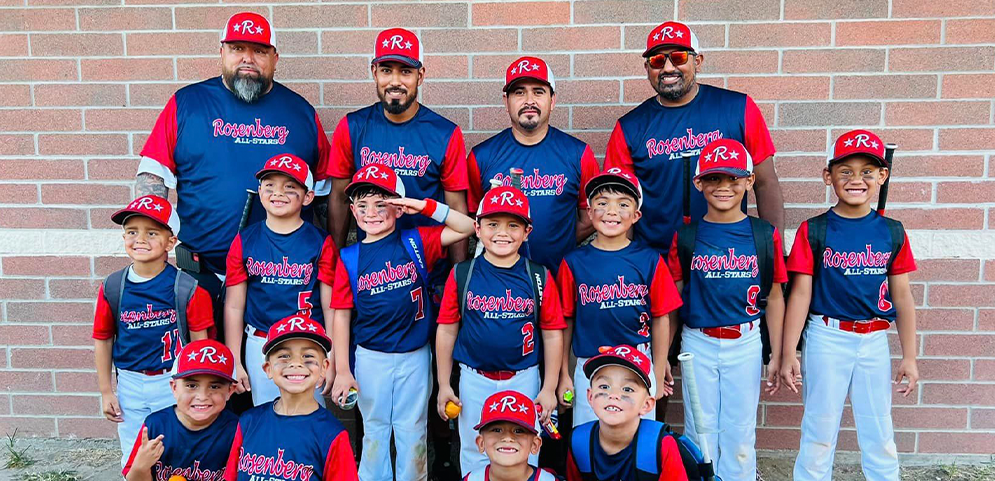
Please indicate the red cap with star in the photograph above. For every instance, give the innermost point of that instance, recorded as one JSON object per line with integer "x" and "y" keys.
{"x": 291, "y": 166}
{"x": 671, "y": 34}
{"x": 529, "y": 68}
{"x": 398, "y": 45}
{"x": 505, "y": 200}
{"x": 858, "y": 142}
{"x": 248, "y": 27}
{"x": 615, "y": 176}
{"x": 510, "y": 406}
{"x": 626, "y": 356}
{"x": 153, "y": 207}
{"x": 298, "y": 326}
{"x": 377, "y": 175}
{"x": 725, "y": 156}
{"x": 205, "y": 356}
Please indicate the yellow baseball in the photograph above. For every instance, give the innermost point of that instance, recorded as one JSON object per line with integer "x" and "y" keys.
{"x": 452, "y": 410}
{"x": 177, "y": 477}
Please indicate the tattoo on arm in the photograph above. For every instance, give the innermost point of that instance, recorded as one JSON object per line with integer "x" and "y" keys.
{"x": 150, "y": 184}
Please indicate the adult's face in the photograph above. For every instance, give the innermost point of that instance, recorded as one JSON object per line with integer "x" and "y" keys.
{"x": 672, "y": 82}
{"x": 247, "y": 69}
{"x": 397, "y": 85}
{"x": 529, "y": 103}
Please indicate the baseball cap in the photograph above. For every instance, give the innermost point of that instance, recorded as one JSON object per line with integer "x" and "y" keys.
{"x": 616, "y": 177}
{"x": 726, "y": 156}
{"x": 505, "y": 200}
{"x": 399, "y": 45}
{"x": 297, "y": 326}
{"x": 529, "y": 68}
{"x": 671, "y": 34}
{"x": 291, "y": 166}
{"x": 626, "y": 356}
{"x": 153, "y": 207}
{"x": 858, "y": 142}
{"x": 248, "y": 27}
{"x": 510, "y": 406}
{"x": 377, "y": 175}
{"x": 205, "y": 356}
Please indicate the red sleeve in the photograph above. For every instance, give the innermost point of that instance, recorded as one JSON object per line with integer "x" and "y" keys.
{"x": 664, "y": 297}
{"x": 674, "y": 261}
{"x": 476, "y": 190}
{"x": 449, "y": 308}
{"x": 904, "y": 262}
{"x": 340, "y": 464}
{"x": 551, "y": 315}
{"x": 431, "y": 239}
{"x": 200, "y": 311}
{"x": 134, "y": 451}
{"x": 573, "y": 474}
{"x": 568, "y": 289}
{"x": 780, "y": 271}
{"x": 162, "y": 140}
{"x": 588, "y": 169}
{"x": 231, "y": 469}
{"x": 618, "y": 154}
{"x": 235, "y": 272}
{"x": 340, "y": 161}
{"x": 454, "y": 175}
{"x": 800, "y": 260}
{"x": 341, "y": 288}
{"x": 324, "y": 152}
{"x": 671, "y": 466}
{"x": 758, "y": 142}
{"x": 326, "y": 263}
{"x": 103, "y": 318}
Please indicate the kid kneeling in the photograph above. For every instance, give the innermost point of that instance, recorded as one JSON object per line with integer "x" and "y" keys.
{"x": 508, "y": 433}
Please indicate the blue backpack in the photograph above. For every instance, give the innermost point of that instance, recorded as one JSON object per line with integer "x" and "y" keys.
{"x": 646, "y": 445}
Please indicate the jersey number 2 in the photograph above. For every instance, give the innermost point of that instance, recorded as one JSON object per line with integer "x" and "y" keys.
{"x": 884, "y": 305}
{"x": 751, "y": 300}
{"x": 528, "y": 342}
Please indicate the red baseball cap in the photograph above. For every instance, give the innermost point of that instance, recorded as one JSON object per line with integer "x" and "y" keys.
{"x": 297, "y": 326}
{"x": 671, "y": 34}
{"x": 153, "y": 207}
{"x": 248, "y": 27}
{"x": 205, "y": 356}
{"x": 858, "y": 142}
{"x": 398, "y": 45}
{"x": 377, "y": 175}
{"x": 510, "y": 406}
{"x": 505, "y": 200}
{"x": 625, "y": 356}
{"x": 725, "y": 156}
{"x": 291, "y": 166}
{"x": 529, "y": 68}
{"x": 616, "y": 177}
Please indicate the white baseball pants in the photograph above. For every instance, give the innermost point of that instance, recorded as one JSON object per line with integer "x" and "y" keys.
{"x": 264, "y": 389}
{"x": 582, "y": 408}
{"x": 139, "y": 395}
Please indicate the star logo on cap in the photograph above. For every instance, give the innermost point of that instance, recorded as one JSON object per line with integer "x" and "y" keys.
{"x": 192, "y": 356}
{"x": 494, "y": 407}
{"x": 235, "y": 27}
{"x": 383, "y": 175}
{"x": 522, "y": 408}
{"x": 407, "y": 45}
{"x": 679, "y": 34}
{"x": 518, "y": 202}
{"x": 874, "y": 144}
{"x": 272, "y": 162}
{"x": 222, "y": 359}
{"x": 157, "y": 207}
{"x": 656, "y": 36}
{"x": 494, "y": 200}
{"x": 708, "y": 157}
{"x": 635, "y": 360}
{"x": 734, "y": 154}
{"x": 297, "y": 167}
{"x": 310, "y": 327}
{"x": 259, "y": 29}
{"x": 848, "y": 142}
{"x": 281, "y": 328}
{"x": 385, "y": 43}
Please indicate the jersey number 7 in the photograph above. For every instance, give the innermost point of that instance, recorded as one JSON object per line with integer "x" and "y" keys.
{"x": 418, "y": 298}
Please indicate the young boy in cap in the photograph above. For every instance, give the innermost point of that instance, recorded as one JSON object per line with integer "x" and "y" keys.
{"x": 493, "y": 310}
{"x": 294, "y": 437}
{"x": 276, "y": 268}
{"x": 192, "y": 438}
{"x": 619, "y": 445}
{"x": 385, "y": 277}
{"x": 615, "y": 291}
{"x": 136, "y": 328}
{"x": 721, "y": 263}
{"x": 508, "y": 432}
{"x": 851, "y": 270}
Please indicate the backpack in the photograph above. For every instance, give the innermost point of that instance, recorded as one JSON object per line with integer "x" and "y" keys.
{"x": 536, "y": 272}
{"x": 183, "y": 289}
{"x": 646, "y": 445}
{"x": 817, "y": 237}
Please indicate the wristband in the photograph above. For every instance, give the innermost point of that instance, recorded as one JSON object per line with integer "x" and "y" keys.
{"x": 437, "y": 211}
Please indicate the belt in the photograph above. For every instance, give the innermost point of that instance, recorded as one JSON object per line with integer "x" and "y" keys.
{"x": 728, "y": 332}
{"x": 858, "y": 327}
{"x": 255, "y": 332}
{"x": 496, "y": 375}
{"x": 156, "y": 372}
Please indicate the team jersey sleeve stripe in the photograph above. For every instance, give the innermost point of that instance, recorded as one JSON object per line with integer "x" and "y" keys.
{"x": 551, "y": 316}
{"x": 326, "y": 263}
{"x": 904, "y": 262}
{"x": 341, "y": 288}
{"x": 340, "y": 162}
{"x": 449, "y": 309}
{"x": 103, "y": 318}
{"x": 617, "y": 154}
{"x": 568, "y": 289}
{"x": 588, "y": 169}
{"x": 780, "y": 270}
{"x": 231, "y": 469}
{"x": 235, "y": 272}
{"x": 454, "y": 174}
{"x": 800, "y": 260}
{"x": 200, "y": 311}
{"x": 757, "y": 138}
{"x": 324, "y": 151}
{"x": 674, "y": 262}
{"x": 431, "y": 238}
{"x": 672, "y": 468}
{"x": 162, "y": 140}
{"x": 475, "y": 192}
{"x": 134, "y": 452}
{"x": 664, "y": 297}
{"x": 340, "y": 465}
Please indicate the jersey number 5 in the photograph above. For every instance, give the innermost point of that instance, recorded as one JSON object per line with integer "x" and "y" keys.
{"x": 528, "y": 342}
{"x": 751, "y": 300}
{"x": 304, "y": 305}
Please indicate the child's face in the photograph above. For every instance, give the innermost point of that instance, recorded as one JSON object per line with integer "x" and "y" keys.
{"x": 618, "y": 396}
{"x": 201, "y": 397}
{"x": 375, "y": 216}
{"x": 724, "y": 192}
{"x": 282, "y": 196}
{"x": 612, "y": 213}
{"x": 296, "y": 365}
{"x": 502, "y": 234}
{"x": 507, "y": 444}
{"x": 856, "y": 179}
{"x": 146, "y": 240}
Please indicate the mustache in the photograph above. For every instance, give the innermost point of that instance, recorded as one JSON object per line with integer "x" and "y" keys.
{"x": 676, "y": 73}
{"x": 529, "y": 108}
{"x": 395, "y": 89}
{"x": 250, "y": 67}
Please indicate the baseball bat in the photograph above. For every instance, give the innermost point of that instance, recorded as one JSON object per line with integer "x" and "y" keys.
{"x": 516, "y": 177}
{"x": 889, "y": 156}
{"x": 686, "y": 158}
{"x": 249, "y": 200}
{"x": 687, "y": 373}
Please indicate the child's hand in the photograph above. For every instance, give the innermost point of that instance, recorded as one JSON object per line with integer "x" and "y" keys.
{"x": 791, "y": 372}
{"x": 773, "y": 375}
{"x": 344, "y": 381}
{"x": 241, "y": 379}
{"x": 410, "y": 206}
{"x": 329, "y": 381}
{"x": 566, "y": 384}
{"x": 546, "y": 399}
{"x": 907, "y": 369}
{"x": 664, "y": 379}
{"x": 148, "y": 452}
{"x": 446, "y": 395}
{"x": 111, "y": 408}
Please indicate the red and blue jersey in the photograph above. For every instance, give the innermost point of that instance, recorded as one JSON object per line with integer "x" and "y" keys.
{"x": 502, "y": 327}
{"x": 613, "y": 296}
{"x": 273, "y": 447}
{"x": 391, "y": 299}
{"x": 282, "y": 271}
{"x": 649, "y": 141}
{"x": 852, "y": 280}
{"x": 213, "y": 143}
{"x": 555, "y": 172}
{"x": 723, "y": 287}
{"x": 196, "y": 455}
{"x": 145, "y": 333}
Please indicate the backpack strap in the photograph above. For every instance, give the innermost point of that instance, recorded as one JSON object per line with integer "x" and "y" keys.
{"x": 183, "y": 289}
{"x": 350, "y": 259}
{"x": 113, "y": 290}
{"x": 581, "y": 447}
{"x": 897, "y": 231}
{"x": 763, "y": 240}
{"x": 463, "y": 271}
{"x": 649, "y": 438}
{"x": 537, "y": 273}
{"x": 412, "y": 241}
{"x": 687, "y": 236}
{"x": 817, "y": 239}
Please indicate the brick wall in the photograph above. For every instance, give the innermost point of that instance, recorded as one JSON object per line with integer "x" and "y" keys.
{"x": 81, "y": 83}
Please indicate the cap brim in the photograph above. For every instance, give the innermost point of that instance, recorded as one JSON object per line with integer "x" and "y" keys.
{"x": 322, "y": 341}
{"x": 233, "y": 40}
{"x": 121, "y": 216}
{"x": 503, "y": 211}
{"x": 725, "y": 170}
{"x": 649, "y": 51}
{"x": 212, "y": 372}
{"x": 508, "y": 86}
{"x": 509, "y": 419}
{"x": 594, "y": 364}
{"x": 359, "y": 183}
{"x": 880, "y": 160}
{"x": 614, "y": 180}
{"x": 264, "y": 172}
{"x": 410, "y": 62}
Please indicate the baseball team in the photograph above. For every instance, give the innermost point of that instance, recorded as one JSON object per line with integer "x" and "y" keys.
{"x": 585, "y": 284}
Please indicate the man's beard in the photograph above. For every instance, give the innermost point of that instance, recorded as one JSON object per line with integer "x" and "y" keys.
{"x": 529, "y": 123}
{"x": 246, "y": 87}
{"x": 396, "y": 106}
{"x": 677, "y": 91}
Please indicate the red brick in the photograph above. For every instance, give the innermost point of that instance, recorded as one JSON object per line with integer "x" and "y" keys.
{"x": 298, "y": 43}
{"x": 729, "y": 10}
{"x": 86, "y": 427}
{"x": 798, "y": 166}
{"x": 50, "y": 358}
{"x": 982, "y": 418}
{"x": 885, "y": 86}
{"x": 82, "y": 95}
{"x": 635, "y": 91}
{"x": 318, "y": 16}
{"x": 210, "y": 18}
{"x": 82, "y": 144}
{"x": 73, "y": 288}
{"x": 152, "y": 94}
{"x": 950, "y": 270}
{"x": 23, "y": 335}
{"x": 46, "y": 218}
{"x": 462, "y": 93}
{"x": 828, "y": 113}
{"x": 120, "y": 119}
{"x": 968, "y": 31}
{"x": 37, "y": 19}
{"x": 937, "y": 113}
{"x": 475, "y": 40}
{"x": 967, "y": 139}
{"x": 50, "y": 311}
{"x": 847, "y": 441}
{"x": 26, "y": 381}
{"x": 779, "y": 438}
{"x": 322, "y": 68}
{"x": 984, "y": 369}
{"x": 46, "y": 266}
{"x": 127, "y": 18}
{"x": 597, "y": 140}
{"x": 520, "y": 13}
{"x": 929, "y": 418}
{"x": 910, "y": 192}
{"x": 838, "y": 9}
{"x": 958, "y": 86}
{"x": 447, "y": 66}
{"x": 940, "y": 369}
{"x": 419, "y": 15}
{"x": 100, "y": 218}
{"x": 75, "y": 381}
{"x": 782, "y": 87}
{"x": 986, "y": 319}
{"x": 570, "y": 38}
{"x": 40, "y": 120}
{"x": 963, "y": 443}
{"x": 798, "y": 140}
{"x": 349, "y": 93}
{"x": 587, "y": 92}
{"x": 496, "y": 118}
{"x": 725, "y": 62}
{"x": 938, "y": 165}
{"x": 38, "y": 70}
{"x": 797, "y": 215}
{"x": 780, "y": 415}
{"x": 888, "y": 32}
{"x": 56, "y": 405}
{"x": 834, "y": 60}
{"x": 85, "y": 194}
{"x": 13, "y": 45}
{"x": 173, "y": 43}
{"x": 600, "y": 117}
{"x": 804, "y": 192}
{"x": 494, "y": 66}
{"x": 38, "y": 169}
{"x": 780, "y": 34}
{"x": 951, "y": 8}
{"x": 19, "y": 194}
{"x": 962, "y": 295}
{"x": 127, "y": 69}
{"x": 946, "y": 218}
{"x": 104, "y": 266}
{"x": 77, "y": 45}
{"x": 621, "y": 11}
{"x": 964, "y": 192}
{"x": 955, "y": 59}
{"x": 29, "y": 426}
{"x": 973, "y": 345}
{"x": 710, "y": 35}
{"x": 75, "y": 335}
{"x": 22, "y": 288}
{"x": 350, "y": 41}
{"x": 111, "y": 169}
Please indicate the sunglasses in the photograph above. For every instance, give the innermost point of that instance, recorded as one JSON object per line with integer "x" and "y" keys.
{"x": 678, "y": 57}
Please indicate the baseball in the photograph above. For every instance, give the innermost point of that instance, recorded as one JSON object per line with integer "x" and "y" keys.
{"x": 452, "y": 410}
{"x": 177, "y": 477}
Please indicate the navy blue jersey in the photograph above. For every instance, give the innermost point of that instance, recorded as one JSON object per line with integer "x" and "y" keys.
{"x": 852, "y": 280}
{"x": 723, "y": 287}
{"x": 282, "y": 271}
{"x": 613, "y": 296}
{"x": 196, "y": 455}
{"x": 649, "y": 141}
{"x": 555, "y": 172}
{"x": 213, "y": 143}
